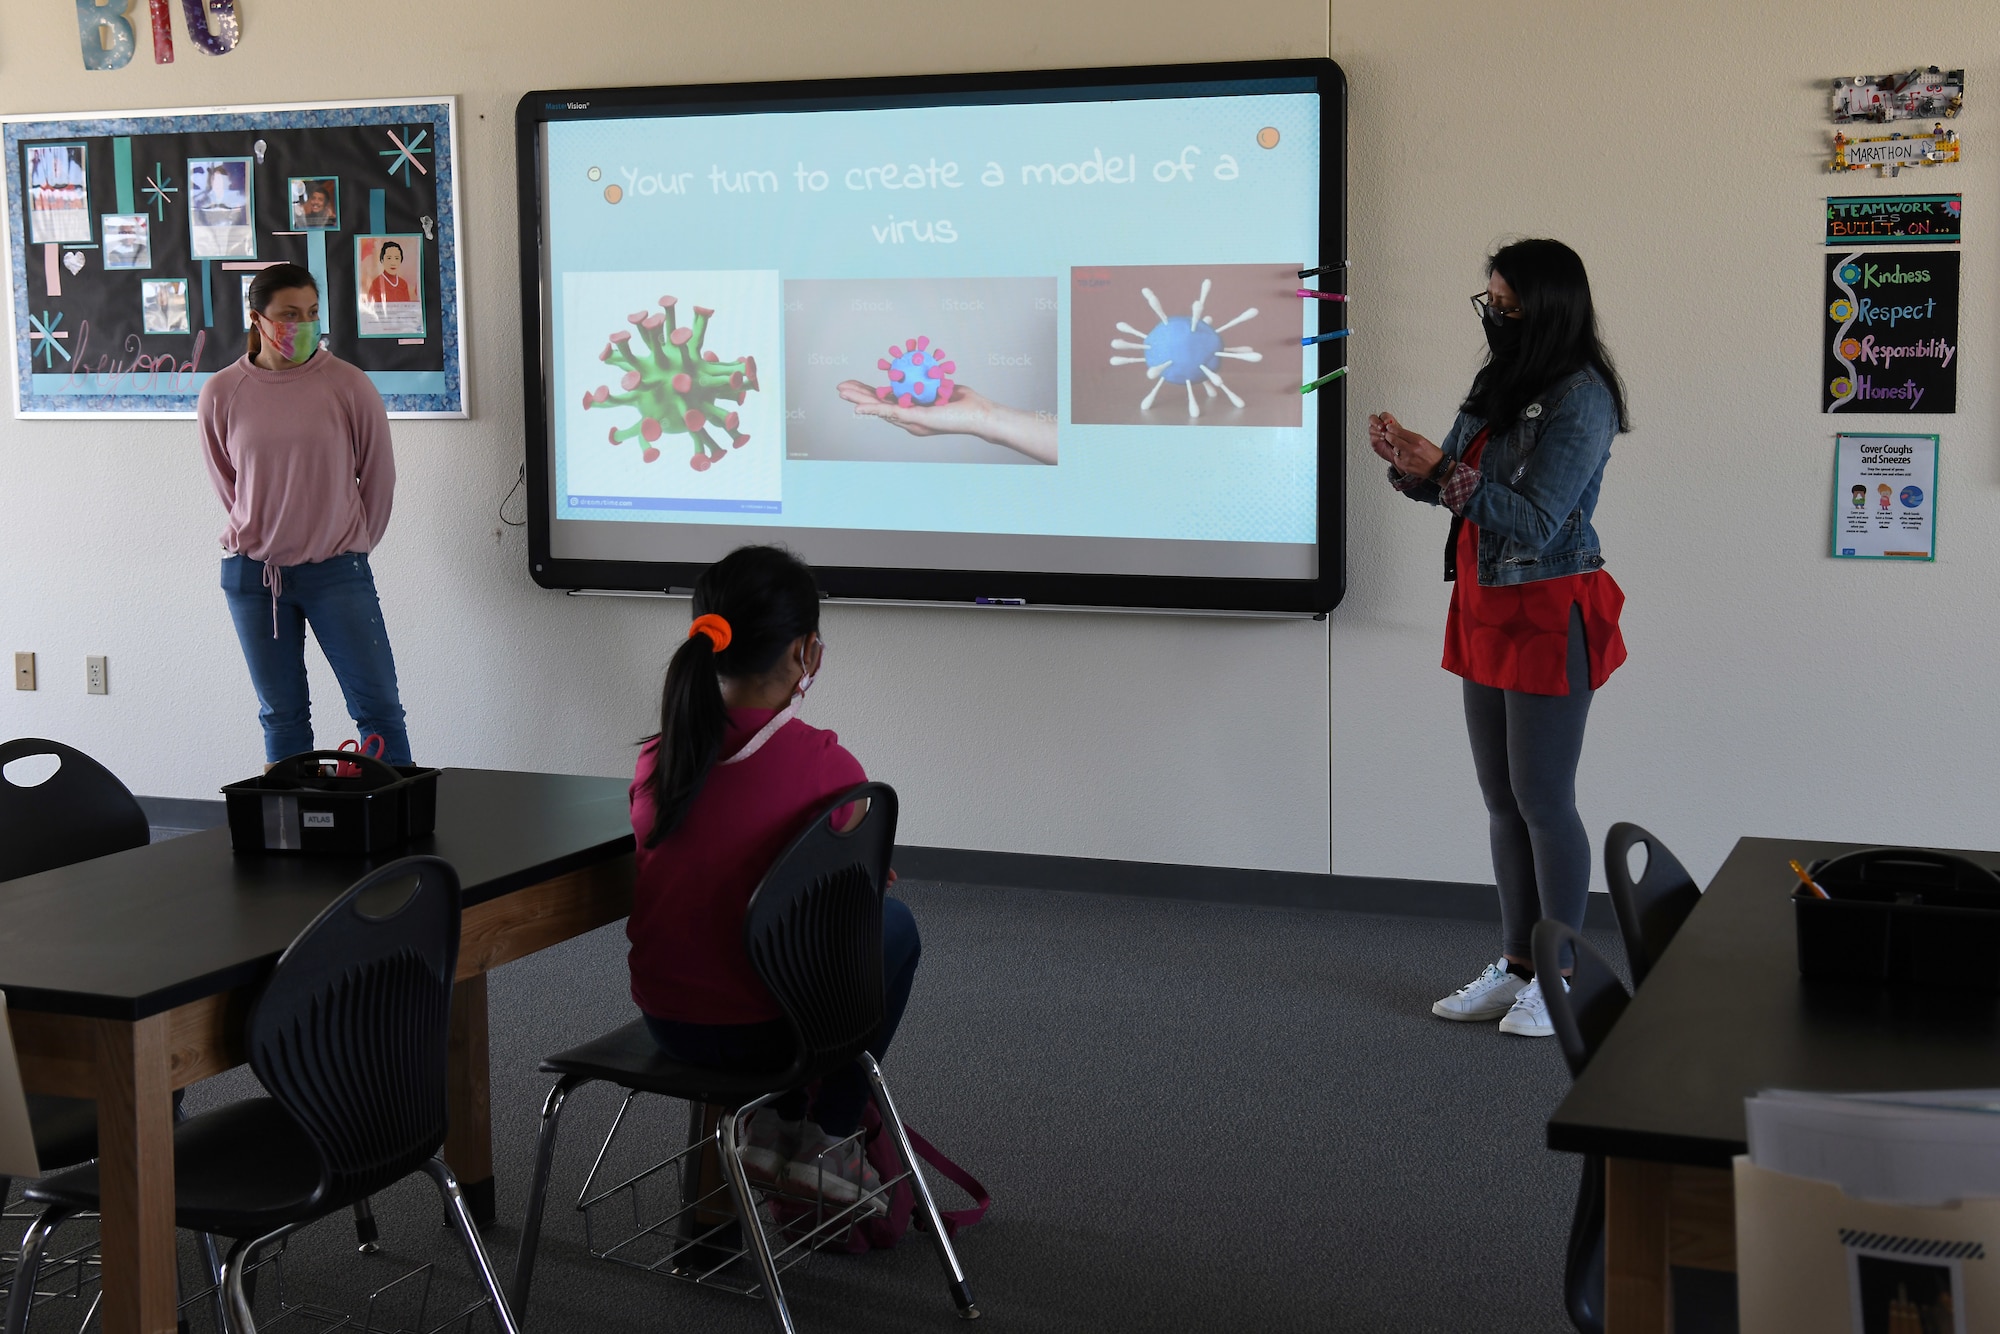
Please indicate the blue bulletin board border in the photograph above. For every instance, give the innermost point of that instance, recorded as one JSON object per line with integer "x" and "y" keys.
{"x": 1937, "y": 466}
{"x": 441, "y": 392}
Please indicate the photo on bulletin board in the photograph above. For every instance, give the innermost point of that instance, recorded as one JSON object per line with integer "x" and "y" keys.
{"x": 203, "y": 200}
{"x": 165, "y": 305}
{"x": 128, "y": 241}
{"x": 219, "y": 208}
{"x": 315, "y": 203}
{"x": 58, "y": 194}
{"x": 388, "y": 282}
{"x": 1885, "y": 496}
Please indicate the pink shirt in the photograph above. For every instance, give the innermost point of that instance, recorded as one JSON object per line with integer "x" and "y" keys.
{"x": 691, "y": 891}
{"x": 300, "y": 458}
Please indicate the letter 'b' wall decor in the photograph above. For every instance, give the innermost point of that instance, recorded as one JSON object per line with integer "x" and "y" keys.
{"x": 109, "y": 41}
{"x": 132, "y": 239}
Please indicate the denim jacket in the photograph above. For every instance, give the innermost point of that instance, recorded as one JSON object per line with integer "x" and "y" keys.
{"x": 1538, "y": 485}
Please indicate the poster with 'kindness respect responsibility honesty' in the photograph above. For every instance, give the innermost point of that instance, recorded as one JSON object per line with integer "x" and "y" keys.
{"x": 1891, "y": 330}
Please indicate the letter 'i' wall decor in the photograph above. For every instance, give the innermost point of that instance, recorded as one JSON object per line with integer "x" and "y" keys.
{"x": 109, "y": 40}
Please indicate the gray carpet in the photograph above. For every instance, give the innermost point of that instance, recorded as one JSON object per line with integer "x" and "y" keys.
{"x": 1192, "y": 1117}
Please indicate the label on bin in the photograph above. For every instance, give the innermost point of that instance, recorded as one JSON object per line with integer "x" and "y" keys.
{"x": 316, "y": 819}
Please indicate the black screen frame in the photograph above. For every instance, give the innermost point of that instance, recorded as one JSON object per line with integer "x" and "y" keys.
{"x": 1315, "y": 596}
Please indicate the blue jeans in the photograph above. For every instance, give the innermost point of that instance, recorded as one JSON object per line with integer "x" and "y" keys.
{"x": 769, "y": 1045}
{"x": 338, "y": 597}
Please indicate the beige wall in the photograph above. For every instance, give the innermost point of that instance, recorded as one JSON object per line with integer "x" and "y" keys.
{"x": 1770, "y": 690}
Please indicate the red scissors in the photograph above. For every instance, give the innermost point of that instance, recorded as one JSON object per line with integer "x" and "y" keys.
{"x": 372, "y": 746}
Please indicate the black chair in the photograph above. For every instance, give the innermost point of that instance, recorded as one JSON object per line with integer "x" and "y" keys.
{"x": 349, "y": 1040}
{"x": 813, "y": 931}
{"x": 81, "y": 811}
{"x": 1583, "y": 1015}
{"x": 1651, "y": 908}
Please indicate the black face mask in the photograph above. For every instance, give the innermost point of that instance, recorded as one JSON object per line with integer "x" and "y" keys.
{"x": 1503, "y": 335}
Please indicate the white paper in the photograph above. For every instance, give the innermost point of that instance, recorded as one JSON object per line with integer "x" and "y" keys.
{"x": 1916, "y": 1148}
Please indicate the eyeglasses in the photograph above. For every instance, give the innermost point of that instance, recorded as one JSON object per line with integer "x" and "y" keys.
{"x": 1482, "y": 303}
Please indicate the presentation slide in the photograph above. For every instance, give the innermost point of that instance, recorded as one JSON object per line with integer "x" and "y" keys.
{"x": 1040, "y": 335}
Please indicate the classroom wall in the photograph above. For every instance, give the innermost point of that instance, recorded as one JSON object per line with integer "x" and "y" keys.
{"x": 1771, "y": 689}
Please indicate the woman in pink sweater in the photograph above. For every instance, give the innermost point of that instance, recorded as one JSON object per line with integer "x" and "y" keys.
{"x": 297, "y": 444}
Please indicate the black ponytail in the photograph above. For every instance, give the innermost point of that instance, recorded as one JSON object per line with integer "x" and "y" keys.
{"x": 770, "y": 598}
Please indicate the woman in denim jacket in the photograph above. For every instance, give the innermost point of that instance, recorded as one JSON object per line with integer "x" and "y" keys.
{"x": 1533, "y": 627}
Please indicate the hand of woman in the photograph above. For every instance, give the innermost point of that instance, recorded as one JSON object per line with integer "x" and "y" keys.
{"x": 1404, "y": 450}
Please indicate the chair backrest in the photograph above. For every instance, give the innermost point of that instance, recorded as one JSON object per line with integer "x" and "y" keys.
{"x": 813, "y": 931}
{"x": 1583, "y": 1014}
{"x": 1651, "y": 908}
{"x": 349, "y": 1033}
{"x": 81, "y": 811}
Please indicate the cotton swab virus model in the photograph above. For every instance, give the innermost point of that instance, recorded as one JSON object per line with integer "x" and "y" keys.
{"x": 676, "y": 387}
{"x": 1183, "y": 351}
{"x": 918, "y": 374}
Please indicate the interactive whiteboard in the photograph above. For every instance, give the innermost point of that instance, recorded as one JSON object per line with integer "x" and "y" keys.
{"x": 1029, "y": 336}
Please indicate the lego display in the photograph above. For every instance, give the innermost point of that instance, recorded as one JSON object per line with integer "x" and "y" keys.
{"x": 1890, "y": 153}
{"x": 1919, "y": 94}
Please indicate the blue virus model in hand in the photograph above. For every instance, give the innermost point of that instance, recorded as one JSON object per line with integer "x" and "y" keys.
{"x": 1183, "y": 350}
{"x": 918, "y": 374}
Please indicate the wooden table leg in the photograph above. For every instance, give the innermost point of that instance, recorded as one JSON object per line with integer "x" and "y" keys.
{"x": 135, "y": 1136}
{"x": 468, "y": 1141}
{"x": 1638, "y": 1286}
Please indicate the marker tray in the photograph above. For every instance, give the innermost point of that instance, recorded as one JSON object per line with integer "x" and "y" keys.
{"x": 332, "y": 803}
{"x": 1901, "y": 917}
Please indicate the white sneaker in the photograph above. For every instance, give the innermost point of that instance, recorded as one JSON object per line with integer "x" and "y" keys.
{"x": 1487, "y": 996}
{"x": 768, "y": 1144}
{"x": 836, "y": 1171}
{"x": 1530, "y": 1016}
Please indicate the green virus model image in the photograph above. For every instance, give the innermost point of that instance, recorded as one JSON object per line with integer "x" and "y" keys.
{"x": 676, "y": 387}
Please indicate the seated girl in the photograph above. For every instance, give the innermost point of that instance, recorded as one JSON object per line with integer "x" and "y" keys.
{"x": 730, "y": 780}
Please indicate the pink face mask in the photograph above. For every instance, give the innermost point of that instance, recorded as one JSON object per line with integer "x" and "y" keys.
{"x": 806, "y": 676}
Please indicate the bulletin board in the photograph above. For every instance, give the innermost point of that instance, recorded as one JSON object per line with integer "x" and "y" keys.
{"x": 132, "y": 238}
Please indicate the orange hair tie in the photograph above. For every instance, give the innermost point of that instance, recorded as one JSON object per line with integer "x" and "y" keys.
{"x": 714, "y": 627}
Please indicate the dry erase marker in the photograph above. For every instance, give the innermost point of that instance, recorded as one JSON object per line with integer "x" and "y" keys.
{"x": 1324, "y": 379}
{"x": 1325, "y": 337}
{"x": 1808, "y": 881}
{"x": 999, "y": 602}
{"x": 1324, "y": 268}
{"x": 1322, "y": 296}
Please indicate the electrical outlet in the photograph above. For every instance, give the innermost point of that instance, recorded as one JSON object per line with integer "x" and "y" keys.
{"x": 96, "y": 675}
{"x": 24, "y": 671}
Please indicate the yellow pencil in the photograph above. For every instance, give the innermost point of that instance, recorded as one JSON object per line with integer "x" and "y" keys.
{"x": 1808, "y": 881}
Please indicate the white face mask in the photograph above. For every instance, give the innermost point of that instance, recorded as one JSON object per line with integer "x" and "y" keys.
{"x": 806, "y": 675}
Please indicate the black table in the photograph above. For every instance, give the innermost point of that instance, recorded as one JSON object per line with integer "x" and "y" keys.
{"x": 1723, "y": 1015}
{"x": 129, "y": 976}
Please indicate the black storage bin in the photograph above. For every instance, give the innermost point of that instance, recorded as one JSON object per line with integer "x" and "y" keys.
{"x": 1906, "y": 916}
{"x": 306, "y": 804}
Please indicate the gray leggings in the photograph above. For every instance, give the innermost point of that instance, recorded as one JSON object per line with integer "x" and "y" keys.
{"x": 1525, "y": 749}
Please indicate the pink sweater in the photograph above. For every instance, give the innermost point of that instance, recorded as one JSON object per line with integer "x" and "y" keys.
{"x": 300, "y": 458}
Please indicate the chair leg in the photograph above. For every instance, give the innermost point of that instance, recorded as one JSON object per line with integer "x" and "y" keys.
{"x": 211, "y": 1255}
{"x": 367, "y": 1237}
{"x": 34, "y": 1242}
{"x": 236, "y": 1272}
{"x": 961, "y": 1291}
{"x": 538, "y": 1192}
{"x": 468, "y": 1233}
{"x": 746, "y": 1214}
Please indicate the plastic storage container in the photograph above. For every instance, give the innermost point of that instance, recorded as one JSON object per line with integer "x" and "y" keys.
{"x": 309, "y": 803}
{"x": 1907, "y": 916}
